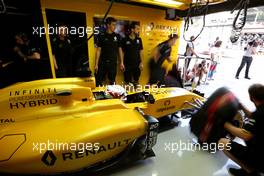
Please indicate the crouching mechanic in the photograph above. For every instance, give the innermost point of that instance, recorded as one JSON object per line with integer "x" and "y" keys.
{"x": 249, "y": 157}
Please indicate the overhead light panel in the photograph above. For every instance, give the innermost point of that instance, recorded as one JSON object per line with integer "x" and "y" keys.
{"x": 211, "y": 2}
{"x": 169, "y": 2}
{"x": 175, "y": 4}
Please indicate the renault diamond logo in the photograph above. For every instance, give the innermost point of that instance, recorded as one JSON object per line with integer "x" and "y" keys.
{"x": 49, "y": 158}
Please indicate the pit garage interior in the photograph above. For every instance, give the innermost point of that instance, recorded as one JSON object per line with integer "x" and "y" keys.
{"x": 121, "y": 123}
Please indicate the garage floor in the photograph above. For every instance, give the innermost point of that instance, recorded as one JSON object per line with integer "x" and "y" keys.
{"x": 198, "y": 163}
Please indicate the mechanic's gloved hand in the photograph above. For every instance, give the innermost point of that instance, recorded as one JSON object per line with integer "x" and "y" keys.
{"x": 116, "y": 91}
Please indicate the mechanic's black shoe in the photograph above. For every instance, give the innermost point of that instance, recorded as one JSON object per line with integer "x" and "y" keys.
{"x": 247, "y": 77}
{"x": 237, "y": 77}
{"x": 237, "y": 172}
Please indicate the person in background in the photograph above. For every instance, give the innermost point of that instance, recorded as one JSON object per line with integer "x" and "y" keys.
{"x": 250, "y": 50}
{"x": 108, "y": 50}
{"x": 133, "y": 54}
{"x": 215, "y": 57}
{"x": 249, "y": 156}
{"x": 24, "y": 50}
{"x": 216, "y": 40}
{"x": 62, "y": 53}
{"x": 198, "y": 72}
{"x": 161, "y": 53}
{"x": 189, "y": 52}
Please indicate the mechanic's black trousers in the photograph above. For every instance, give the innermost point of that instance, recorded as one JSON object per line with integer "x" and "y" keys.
{"x": 106, "y": 68}
{"x": 132, "y": 74}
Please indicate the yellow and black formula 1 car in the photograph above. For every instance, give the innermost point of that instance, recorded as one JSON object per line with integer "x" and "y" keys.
{"x": 68, "y": 124}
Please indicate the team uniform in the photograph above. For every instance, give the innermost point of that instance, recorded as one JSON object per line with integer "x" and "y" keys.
{"x": 132, "y": 60}
{"x": 157, "y": 74}
{"x": 253, "y": 153}
{"x": 63, "y": 52}
{"x": 109, "y": 44}
{"x": 21, "y": 64}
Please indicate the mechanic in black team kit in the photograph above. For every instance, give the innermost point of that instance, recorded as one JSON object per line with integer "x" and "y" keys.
{"x": 63, "y": 53}
{"x": 161, "y": 53}
{"x": 248, "y": 156}
{"x": 133, "y": 54}
{"x": 108, "y": 49}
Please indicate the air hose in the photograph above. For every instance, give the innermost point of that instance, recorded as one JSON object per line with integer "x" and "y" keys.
{"x": 194, "y": 10}
{"x": 240, "y": 19}
{"x": 2, "y": 7}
